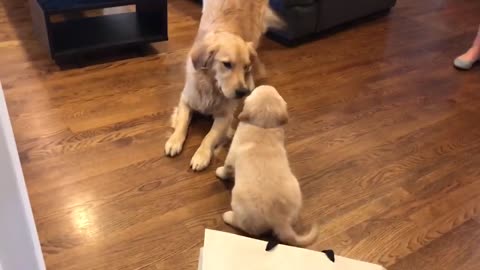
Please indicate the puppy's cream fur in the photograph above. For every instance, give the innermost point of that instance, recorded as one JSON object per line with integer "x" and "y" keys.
{"x": 220, "y": 70}
{"x": 266, "y": 195}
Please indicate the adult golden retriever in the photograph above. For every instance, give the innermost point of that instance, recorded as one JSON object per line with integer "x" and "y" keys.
{"x": 220, "y": 70}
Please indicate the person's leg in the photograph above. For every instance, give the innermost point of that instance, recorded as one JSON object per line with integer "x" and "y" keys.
{"x": 466, "y": 60}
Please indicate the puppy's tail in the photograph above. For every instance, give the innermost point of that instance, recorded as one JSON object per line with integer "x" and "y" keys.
{"x": 287, "y": 234}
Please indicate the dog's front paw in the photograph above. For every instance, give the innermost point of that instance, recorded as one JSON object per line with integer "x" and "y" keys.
{"x": 201, "y": 159}
{"x": 174, "y": 146}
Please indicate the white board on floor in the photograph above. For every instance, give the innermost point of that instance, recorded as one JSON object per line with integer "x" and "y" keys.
{"x": 225, "y": 251}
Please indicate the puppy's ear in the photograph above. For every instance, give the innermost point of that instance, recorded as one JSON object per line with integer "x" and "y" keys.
{"x": 244, "y": 116}
{"x": 282, "y": 115}
{"x": 258, "y": 67}
{"x": 283, "y": 118}
{"x": 202, "y": 54}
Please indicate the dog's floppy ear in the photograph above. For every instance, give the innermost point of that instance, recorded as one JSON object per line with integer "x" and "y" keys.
{"x": 257, "y": 66}
{"x": 202, "y": 54}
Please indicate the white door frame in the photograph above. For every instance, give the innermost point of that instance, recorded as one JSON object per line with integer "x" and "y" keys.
{"x": 19, "y": 244}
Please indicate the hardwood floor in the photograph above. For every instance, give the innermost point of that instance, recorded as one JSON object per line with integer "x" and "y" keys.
{"x": 384, "y": 137}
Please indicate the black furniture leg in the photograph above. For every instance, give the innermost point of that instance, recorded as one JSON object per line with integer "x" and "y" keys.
{"x": 41, "y": 25}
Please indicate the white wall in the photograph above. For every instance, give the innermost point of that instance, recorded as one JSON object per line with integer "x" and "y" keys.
{"x": 19, "y": 244}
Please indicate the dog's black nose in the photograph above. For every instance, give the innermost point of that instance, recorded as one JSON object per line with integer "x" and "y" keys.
{"x": 242, "y": 92}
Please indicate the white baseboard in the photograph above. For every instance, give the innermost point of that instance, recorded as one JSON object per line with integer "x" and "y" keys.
{"x": 19, "y": 244}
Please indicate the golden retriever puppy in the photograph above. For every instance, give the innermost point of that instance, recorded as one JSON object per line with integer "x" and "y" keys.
{"x": 266, "y": 196}
{"x": 219, "y": 70}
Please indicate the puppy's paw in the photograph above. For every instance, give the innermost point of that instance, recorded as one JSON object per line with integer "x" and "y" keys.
{"x": 221, "y": 173}
{"x": 174, "y": 145}
{"x": 228, "y": 217}
{"x": 201, "y": 159}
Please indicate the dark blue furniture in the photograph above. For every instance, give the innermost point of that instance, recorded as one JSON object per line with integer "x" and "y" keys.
{"x": 307, "y": 18}
{"x": 72, "y": 37}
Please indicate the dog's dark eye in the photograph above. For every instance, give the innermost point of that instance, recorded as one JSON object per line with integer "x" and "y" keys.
{"x": 227, "y": 65}
{"x": 248, "y": 69}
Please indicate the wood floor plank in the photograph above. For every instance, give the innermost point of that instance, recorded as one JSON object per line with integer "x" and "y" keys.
{"x": 419, "y": 219}
{"x": 462, "y": 253}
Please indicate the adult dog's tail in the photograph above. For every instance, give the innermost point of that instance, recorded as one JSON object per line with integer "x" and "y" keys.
{"x": 273, "y": 21}
{"x": 287, "y": 234}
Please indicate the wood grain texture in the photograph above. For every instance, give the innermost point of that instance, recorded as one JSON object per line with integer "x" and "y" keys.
{"x": 383, "y": 136}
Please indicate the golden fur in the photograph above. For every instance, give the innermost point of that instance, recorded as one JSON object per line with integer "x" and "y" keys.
{"x": 266, "y": 196}
{"x": 219, "y": 70}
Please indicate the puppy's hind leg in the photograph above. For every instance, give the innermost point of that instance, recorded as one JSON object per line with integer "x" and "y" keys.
{"x": 231, "y": 218}
{"x": 237, "y": 220}
{"x": 181, "y": 121}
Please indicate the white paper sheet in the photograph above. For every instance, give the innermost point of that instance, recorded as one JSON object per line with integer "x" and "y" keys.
{"x": 225, "y": 251}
